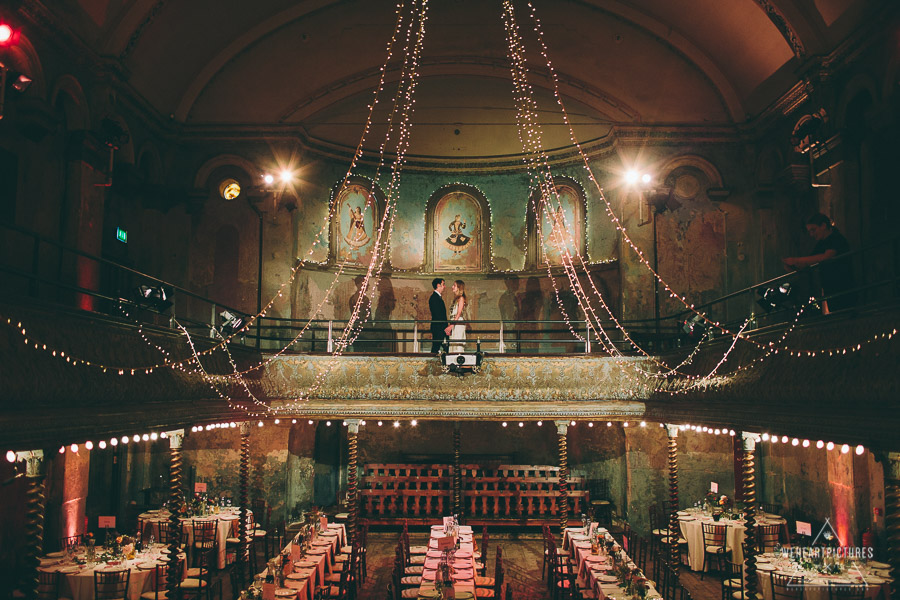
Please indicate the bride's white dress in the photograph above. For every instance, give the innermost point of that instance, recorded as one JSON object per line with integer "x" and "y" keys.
{"x": 458, "y": 333}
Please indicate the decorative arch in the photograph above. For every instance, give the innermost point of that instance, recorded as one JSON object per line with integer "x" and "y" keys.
{"x": 860, "y": 85}
{"x": 149, "y": 164}
{"x": 70, "y": 96}
{"x": 202, "y": 178}
{"x": 696, "y": 162}
{"x": 457, "y": 231}
{"x": 23, "y": 57}
{"x": 560, "y": 226}
{"x": 358, "y": 205}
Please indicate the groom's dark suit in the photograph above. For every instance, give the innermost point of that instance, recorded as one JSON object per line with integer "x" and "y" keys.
{"x": 438, "y": 321}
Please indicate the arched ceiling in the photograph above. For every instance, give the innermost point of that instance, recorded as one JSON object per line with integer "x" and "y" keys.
{"x": 312, "y": 65}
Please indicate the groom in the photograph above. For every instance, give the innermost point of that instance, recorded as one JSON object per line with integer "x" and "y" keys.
{"x": 438, "y": 310}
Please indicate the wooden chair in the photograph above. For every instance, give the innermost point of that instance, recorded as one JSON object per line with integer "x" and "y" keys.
{"x": 481, "y": 555}
{"x": 787, "y": 587}
{"x": 48, "y": 586}
{"x": 561, "y": 572}
{"x": 771, "y": 508}
{"x": 733, "y": 584}
{"x": 846, "y": 591}
{"x": 72, "y": 541}
{"x": 715, "y": 538}
{"x": 237, "y": 578}
{"x": 769, "y": 536}
{"x": 197, "y": 583}
{"x": 158, "y": 584}
{"x": 496, "y": 590}
{"x": 340, "y": 591}
{"x": 601, "y": 505}
{"x": 167, "y": 534}
{"x": 488, "y": 582}
{"x": 111, "y": 585}
{"x": 349, "y": 563}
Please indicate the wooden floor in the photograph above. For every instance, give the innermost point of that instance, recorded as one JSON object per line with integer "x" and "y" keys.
{"x": 522, "y": 555}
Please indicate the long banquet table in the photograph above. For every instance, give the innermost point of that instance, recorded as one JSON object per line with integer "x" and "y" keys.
{"x": 462, "y": 567}
{"x": 310, "y": 571}
{"x": 594, "y": 570}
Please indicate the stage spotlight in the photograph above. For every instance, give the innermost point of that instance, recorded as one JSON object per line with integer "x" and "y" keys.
{"x": 268, "y": 179}
{"x": 232, "y": 322}
{"x": 694, "y": 327}
{"x": 286, "y": 176}
{"x": 153, "y": 297}
{"x": 229, "y": 189}
{"x": 631, "y": 177}
{"x": 8, "y": 35}
{"x": 646, "y": 178}
{"x": 775, "y": 298}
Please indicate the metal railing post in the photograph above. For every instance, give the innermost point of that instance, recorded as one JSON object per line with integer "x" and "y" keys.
{"x": 330, "y": 339}
{"x": 501, "y": 347}
{"x": 587, "y": 337}
{"x": 415, "y": 337}
{"x": 212, "y": 320}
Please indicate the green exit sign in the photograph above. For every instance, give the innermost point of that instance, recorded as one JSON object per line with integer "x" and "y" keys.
{"x": 121, "y": 235}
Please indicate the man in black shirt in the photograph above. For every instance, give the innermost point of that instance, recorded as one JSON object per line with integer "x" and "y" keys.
{"x": 438, "y": 310}
{"x": 836, "y": 272}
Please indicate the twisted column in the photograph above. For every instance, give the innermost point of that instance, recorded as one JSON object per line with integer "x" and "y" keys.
{"x": 34, "y": 520}
{"x": 562, "y": 427}
{"x": 173, "y": 577}
{"x": 243, "y": 551}
{"x": 891, "y": 466}
{"x": 352, "y": 436}
{"x": 674, "y": 528}
{"x": 749, "y": 495}
{"x": 457, "y": 474}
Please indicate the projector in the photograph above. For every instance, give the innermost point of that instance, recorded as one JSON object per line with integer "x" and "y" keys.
{"x": 461, "y": 360}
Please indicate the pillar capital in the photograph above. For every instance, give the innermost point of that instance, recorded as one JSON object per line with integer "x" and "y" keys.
{"x": 750, "y": 440}
{"x": 176, "y": 438}
{"x": 34, "y": 462}
{"x": 353, "y": 425}
{"x": 562, "y": 427}
{"x": 672, "y": 430}
{"x": 245, "y": 427}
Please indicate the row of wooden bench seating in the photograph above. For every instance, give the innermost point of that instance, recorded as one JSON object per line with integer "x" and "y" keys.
{"x": 506, "y": 491}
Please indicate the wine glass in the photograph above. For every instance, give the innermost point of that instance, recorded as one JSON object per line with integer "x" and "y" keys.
{"x": 152, "y": 539}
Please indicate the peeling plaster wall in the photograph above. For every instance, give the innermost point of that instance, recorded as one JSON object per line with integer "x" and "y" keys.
{"x": 818, "y": 485}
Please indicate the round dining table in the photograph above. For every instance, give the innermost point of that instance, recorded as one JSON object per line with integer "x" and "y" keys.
{"x": 691, "y": 524}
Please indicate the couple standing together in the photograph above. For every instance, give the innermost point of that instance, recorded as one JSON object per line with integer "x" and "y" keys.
{"x": 441, "y": 328}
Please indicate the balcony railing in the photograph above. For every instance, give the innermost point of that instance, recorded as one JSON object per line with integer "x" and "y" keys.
{"x": 37, "y": 267}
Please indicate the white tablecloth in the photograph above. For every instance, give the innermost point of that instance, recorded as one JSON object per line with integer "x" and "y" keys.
{"x": 462, "y": 565}
{"x": 150, "y": 523}
{"x": 816, "y": 585}
{"x": 692, "y": 530}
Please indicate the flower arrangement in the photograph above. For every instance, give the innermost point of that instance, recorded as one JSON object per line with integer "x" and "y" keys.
{"x": 724, "y": 501}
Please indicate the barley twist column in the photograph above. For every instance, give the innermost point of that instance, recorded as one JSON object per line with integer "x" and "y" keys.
{"x": 244, "y": 533}
{"x": 34, "y": 519}
{"x": 457, "y": 474}
{"x": 749, "y": 495}
{"x": 562, "y": 428}
{"x": 891, "y": 466}
{"x": 175, "y": 496}
{"x": 674, "y": 528}
{"x": 352, "y": 435}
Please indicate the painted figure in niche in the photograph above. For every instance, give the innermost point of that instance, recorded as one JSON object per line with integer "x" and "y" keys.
{"x": 458, "y": 241}
{"x": 560, "y": 227}
{"x": 356, "y": 236}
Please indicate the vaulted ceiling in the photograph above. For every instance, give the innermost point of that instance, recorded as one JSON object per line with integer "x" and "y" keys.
{"x": 312, "y": 65}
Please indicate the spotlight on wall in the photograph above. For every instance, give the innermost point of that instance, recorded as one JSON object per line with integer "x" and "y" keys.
{"x": 232, "y": 322}
{"x": 153, "y": 297}
{"x": 775, "y": 298}
{"x": 229, "y": 189}
{"x": 694, "y": 327}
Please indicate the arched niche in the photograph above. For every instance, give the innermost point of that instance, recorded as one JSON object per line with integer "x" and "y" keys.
{"x": 357, "y": 206}
{"x": 556, "y": 226}
{"x": 457, "y": 231}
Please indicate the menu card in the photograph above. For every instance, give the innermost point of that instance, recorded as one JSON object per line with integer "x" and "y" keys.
{"x": 268, "y": 591}
{"x": 445, "y": 543}
{"x": 199, "y": 487}
{"x": 106, "y": 522}
{"x": 804, "y": 528}
{"x": 323, "y": 522}
{"x": 714, "y": 487}
{"x": 295, "y": 552}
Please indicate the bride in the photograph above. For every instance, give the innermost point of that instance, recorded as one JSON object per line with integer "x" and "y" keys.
{"x": 459, "y": 312}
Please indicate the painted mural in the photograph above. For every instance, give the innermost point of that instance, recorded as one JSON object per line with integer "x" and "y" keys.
{"x": 357, "y": 223}
{"x": 561, "y": 226}
{"x": 457, "y": 231}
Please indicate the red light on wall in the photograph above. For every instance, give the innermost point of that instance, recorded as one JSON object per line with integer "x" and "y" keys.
{"x": 8, "y": 35}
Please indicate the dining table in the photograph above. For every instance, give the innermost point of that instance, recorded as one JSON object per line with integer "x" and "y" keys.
{"x": 874, "y": 574}
{"x": 77, "y": 577}
{"x": 595, "y": 571}
{"x": 310, "y": 563}
{"x": 691, "y": 524}
{"x": 225, "y": 518}
{"x": 462, "y": 564}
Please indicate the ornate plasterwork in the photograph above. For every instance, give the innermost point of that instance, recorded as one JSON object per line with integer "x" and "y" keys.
{"x": 502, "y": 379}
